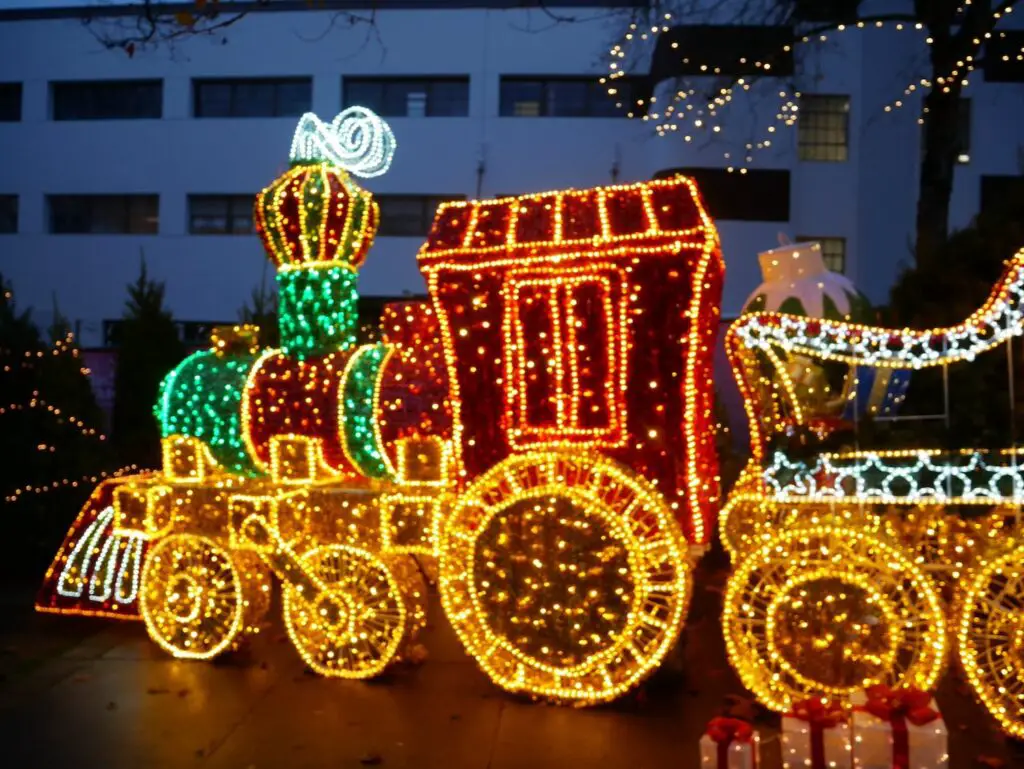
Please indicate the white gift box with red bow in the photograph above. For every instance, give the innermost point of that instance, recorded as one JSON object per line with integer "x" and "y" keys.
{"x": 908, "y": 738}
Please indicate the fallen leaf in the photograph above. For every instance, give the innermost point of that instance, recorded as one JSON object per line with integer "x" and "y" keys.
{"x": 182, "y": 692}
{"x": 157, "y": 690}
{"x": 370, "y": 759}
{"x": 111, "y": 706}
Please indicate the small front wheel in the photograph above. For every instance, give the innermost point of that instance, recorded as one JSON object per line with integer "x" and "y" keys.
{"x": 991, "y": 635}
{"x": 357, "y": 612}
{"x": 194, "y": 599}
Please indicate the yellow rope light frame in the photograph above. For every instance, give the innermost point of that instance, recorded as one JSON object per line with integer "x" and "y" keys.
{"x": 629, "y": 515}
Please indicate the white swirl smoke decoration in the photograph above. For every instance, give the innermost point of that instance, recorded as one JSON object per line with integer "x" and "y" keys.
{"x": 357, "y": 139}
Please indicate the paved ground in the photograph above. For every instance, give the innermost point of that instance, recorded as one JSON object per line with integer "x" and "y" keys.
{"x": 83, "y": 694}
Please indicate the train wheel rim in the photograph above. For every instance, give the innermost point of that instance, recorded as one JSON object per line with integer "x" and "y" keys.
{"x": 823, "y": 610}
{"x": 990, "y": 632}
{"x": 358, "y": 625}
{"x": 532, "y": 623}
{"x": 191, "y": 597}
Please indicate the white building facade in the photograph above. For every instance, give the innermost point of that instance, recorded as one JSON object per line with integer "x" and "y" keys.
{"x": 108, "y": 157}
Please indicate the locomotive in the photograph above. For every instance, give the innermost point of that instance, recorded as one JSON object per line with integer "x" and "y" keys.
{"x": 540, "y": 430}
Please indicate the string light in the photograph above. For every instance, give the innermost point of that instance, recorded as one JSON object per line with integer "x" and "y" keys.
{"x": 762, "y": 68}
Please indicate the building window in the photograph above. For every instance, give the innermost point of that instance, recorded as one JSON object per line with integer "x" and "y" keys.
{"x": 252, "y": 97}
{"x": 10, "y": 102}
{"x": 107, "y": 100}
{"x": 1003, "y": 195}
{"x": 104, "y": 214}
{"x": 409, "y": 215}
{"x": 1004, "y": 57}
{"x": 560, "y": 97}
{"x": 220, "y": 214}
{"x": 833, "y": 251}
{"x": 409, "y": 96}
{"x": 823, "y": 128}
{"x": 8, "y": 214}
{"x": 731, "y": 50}
{"x": 760, "y": 195}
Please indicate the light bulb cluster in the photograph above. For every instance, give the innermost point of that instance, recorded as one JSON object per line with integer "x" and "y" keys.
{"x": 61, "y": 418}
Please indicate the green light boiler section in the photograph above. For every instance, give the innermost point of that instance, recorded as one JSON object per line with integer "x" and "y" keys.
{"x": 318, "y": 310}
{"x": 202, "y": 398}
{"x": 359, "y": 396}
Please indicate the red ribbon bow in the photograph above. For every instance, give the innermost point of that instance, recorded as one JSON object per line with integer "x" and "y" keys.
{"x": 897, "y": 706}
{"x": 725, "y": 731}
{"x": 820, "y": 715}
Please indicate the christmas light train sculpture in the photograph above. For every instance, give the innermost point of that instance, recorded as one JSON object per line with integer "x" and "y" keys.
{"x": 541, "y": 431}
{"x": 849, "y": 569}
{"x": 543, "y": 427}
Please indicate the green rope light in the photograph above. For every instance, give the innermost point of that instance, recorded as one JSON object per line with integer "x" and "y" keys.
{"x": 318, "y": 310}
{"x": 202, "y": 398}
{"x": 358, "y": 417}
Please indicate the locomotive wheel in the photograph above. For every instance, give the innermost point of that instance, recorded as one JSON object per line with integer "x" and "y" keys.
{"x": 748, "y": 519}
{"x": 369, "y": 609}
{"x": 991, "y": 636}
{"x": 826, "y": 610}
{"x": 195, "y": 599}
{"x": 564, "y": 575}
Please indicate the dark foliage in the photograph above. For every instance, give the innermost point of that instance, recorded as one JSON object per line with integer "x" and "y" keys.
{"x": 148, "y": 348}
{"x": 50, "y": 436}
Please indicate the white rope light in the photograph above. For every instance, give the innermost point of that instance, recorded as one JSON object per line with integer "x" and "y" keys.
{"x": 898, "y": 476}
{"x": 357, "y": 140}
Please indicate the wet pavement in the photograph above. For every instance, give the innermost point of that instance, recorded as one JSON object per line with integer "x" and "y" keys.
{"x": 82, "y": 693}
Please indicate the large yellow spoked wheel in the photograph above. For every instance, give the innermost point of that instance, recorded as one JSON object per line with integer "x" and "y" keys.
{"x": 194, "y": 598}
{"x": 991, "y": 636}
{"x": 828, "y": 609}
{"x": 357, "y": 611}
{"x": 564, "y": 575}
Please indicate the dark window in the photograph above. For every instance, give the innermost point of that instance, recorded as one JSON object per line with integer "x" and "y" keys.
{"x": 723, "y": 50}
{"x": 107, "y": 100}
{"x": 252, "y": 97}
{"x": 104, "y": 214}
{"x": 409, "y": 96}
{"x": 823, "y": 127}
{"x": 1003, "y": 57}
{"x": 8, "y": 214}
{"x": 825, "y": 10}
{"x": 10, "y": 102}
{"x": 760, "y": 195}
{"x": 1002, "y": 195}
{"x": 409, "y": 215}
{"x": 220, "y": 214}
{"x": 833, "y": 251}
{"x": 561, "y": 97}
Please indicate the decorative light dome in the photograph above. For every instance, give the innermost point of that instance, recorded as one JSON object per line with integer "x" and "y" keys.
{"x": 314, "y": 214}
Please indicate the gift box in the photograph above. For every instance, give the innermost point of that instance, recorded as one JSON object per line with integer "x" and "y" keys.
{"x": 729, "y": 743}
{"x": 816, "y": 734}
{"x": 898, "y": 729}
